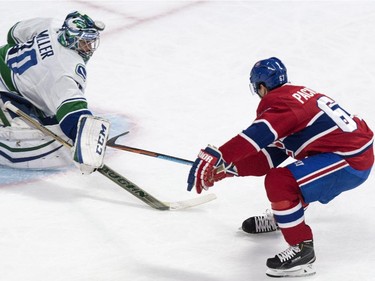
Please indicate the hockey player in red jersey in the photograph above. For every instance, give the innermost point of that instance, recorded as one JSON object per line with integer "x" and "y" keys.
{"x": 333, "y": 152}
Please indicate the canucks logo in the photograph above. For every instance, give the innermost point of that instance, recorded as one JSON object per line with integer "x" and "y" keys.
{"x": 81, "y": 71}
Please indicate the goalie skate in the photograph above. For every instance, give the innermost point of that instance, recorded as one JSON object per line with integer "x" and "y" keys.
{"x": 297, "y": 271}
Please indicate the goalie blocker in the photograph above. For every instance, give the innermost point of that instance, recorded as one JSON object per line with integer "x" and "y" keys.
{"x": 90, "y": 144}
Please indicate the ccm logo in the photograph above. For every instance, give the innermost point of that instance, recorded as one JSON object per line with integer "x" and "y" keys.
{"x": 101, "y": 140}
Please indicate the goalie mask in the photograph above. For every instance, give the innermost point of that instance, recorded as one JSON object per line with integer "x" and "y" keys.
{"x": 80, "y": 33}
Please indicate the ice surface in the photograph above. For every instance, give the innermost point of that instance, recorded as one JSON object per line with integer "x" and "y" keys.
{"x": 177, "y": 72}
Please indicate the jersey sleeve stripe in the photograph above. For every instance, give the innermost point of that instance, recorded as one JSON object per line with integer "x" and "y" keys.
{"x": 252, "y": 142}
{"x": 260, "y": 134}
{"x": 11, "y": 39}
{"x": 69, "y": 106}
{"x": 69, "y": 113}
{"x": 269, "y": 126}
{"x": 5, "y": 73}
{"x": 268, "y": 157}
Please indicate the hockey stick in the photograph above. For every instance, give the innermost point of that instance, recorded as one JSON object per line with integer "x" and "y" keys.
{"x": 112, "y": 143}
{"x": 116, "y": 177}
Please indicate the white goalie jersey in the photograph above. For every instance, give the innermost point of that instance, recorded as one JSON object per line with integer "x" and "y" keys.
{"x": 42, "y": 70}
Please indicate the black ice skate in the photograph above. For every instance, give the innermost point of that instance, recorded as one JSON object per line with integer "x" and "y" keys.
{"x": 260, "y": 224}
{"x": 293, "y": 262}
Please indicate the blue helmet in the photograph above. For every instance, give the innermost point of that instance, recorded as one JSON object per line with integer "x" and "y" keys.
{"x": 269, "y": 72}
{"x": 80, "y": 33}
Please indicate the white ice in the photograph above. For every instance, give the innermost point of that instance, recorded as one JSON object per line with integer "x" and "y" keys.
{"x": 178, "y": 73}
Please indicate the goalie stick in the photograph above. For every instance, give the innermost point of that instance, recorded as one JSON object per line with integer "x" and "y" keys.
{"x": 112, "y": 143}
{"x": 116, "y": 177}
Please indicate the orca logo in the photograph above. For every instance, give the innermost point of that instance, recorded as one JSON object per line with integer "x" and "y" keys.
{"x": 81, "y": 71}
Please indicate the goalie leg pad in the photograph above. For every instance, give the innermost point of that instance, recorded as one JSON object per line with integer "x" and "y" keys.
{"x": 28, "y": 148}
{"x": 90, "y": 144}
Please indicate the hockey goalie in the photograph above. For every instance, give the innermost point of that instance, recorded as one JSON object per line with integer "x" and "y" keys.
{"x": 43, "y": 73}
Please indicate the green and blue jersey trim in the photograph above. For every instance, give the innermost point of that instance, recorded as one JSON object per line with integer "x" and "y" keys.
{"x": 5, "y": 73}
{"x": 69, "y": 113}
{"x": 11, "y": 39}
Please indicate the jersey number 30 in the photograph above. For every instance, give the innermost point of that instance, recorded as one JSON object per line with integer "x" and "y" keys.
{"x": 337, "y": 114}
{"x": 21, "y": 57}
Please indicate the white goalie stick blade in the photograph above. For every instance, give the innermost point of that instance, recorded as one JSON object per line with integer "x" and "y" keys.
{"x": 179, "y": 205}
{"x": 297, "y": 271}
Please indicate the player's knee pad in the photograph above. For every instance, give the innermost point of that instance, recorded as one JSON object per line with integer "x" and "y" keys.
{"x": 281, "y": 185}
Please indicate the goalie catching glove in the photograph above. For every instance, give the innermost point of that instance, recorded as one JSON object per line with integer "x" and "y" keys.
{"x": 90, "y": 144}
{"x": 209, "y": 168}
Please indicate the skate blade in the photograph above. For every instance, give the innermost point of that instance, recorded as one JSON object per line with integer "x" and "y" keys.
{"x": 297, "y": 271}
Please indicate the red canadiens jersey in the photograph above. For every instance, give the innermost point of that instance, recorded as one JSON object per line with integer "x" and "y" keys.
{"x": 302, "y": 122}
